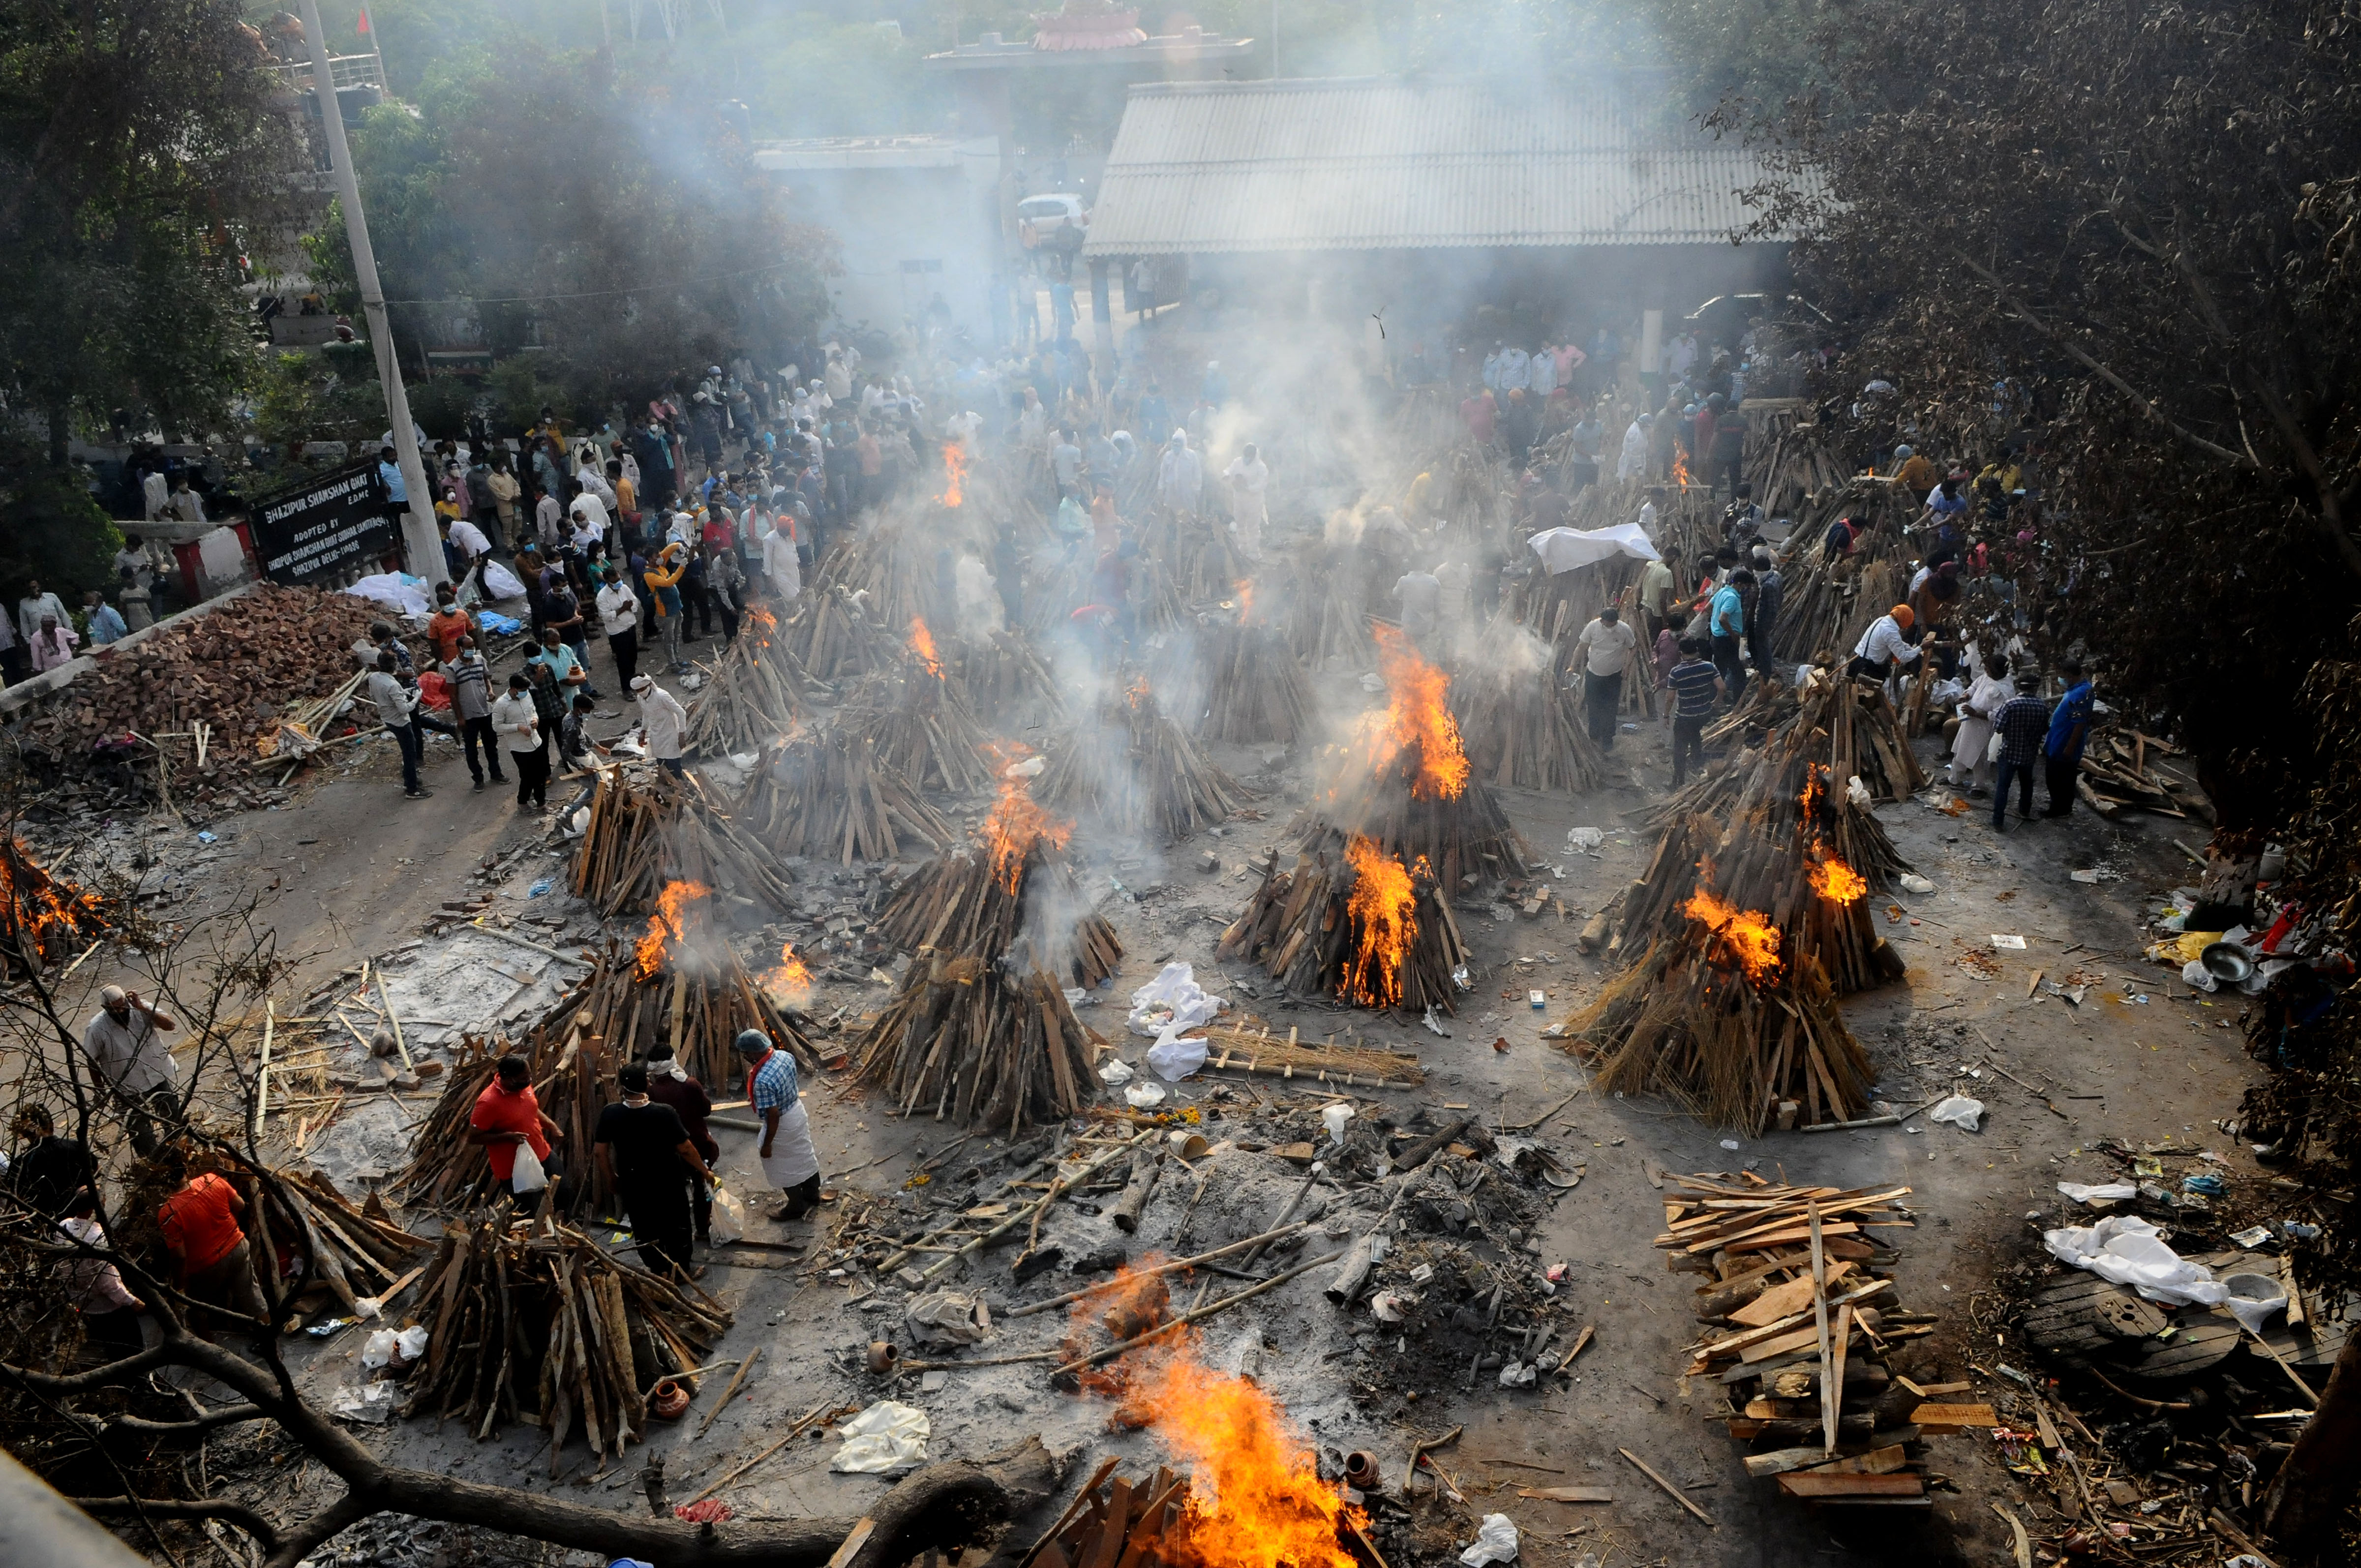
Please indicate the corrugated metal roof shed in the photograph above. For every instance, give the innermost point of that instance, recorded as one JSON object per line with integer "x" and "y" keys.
{"x": 1368, "y": 164}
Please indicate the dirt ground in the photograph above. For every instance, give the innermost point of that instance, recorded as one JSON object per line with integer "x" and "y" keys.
{"x": 349, "y": 870}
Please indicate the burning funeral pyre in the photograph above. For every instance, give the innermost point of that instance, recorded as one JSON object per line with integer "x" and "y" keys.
{"x": 1752, "y": 920}
{"x": 1132, "y": 768}
{"x": 1350, "y": 921}
{"x": 1255, "y": 690}
{"x": 1522, "y": 725}
{"x": 643, "y": 835}
{"x": 44, "y": 917}
{"x": 981, "y": 1030}
{"x": 917, "y": 721}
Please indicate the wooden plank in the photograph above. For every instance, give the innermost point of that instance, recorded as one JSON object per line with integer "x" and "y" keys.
{"x": 1670, "y": 1490}
{"x": 1779, "y": 1461}
{"x": 1876, "y": 1461}
{"x": 1567, "y": 1493}
{"x": 1832, "y": 1393}
{"x": 1794, "y": 1296}
{"x": 1812, "y": 1483}
{"x": 1953, "y": 1418}
{"x": 1832, "y": 1388}
{"x": 850, "y": 1547}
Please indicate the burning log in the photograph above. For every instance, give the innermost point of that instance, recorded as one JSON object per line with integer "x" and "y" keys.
{"x": 1001, "y": 895}
{"x": 1404, "y": 781}
{"x": 756, "y": 692}
{"x": 1352, "y": 922}
{"x": 1132, "y": 770}
{"x": 826, "y": 795}
{"x": 644, "y": 835}
{"x": 1522, "y": 728}
{"x": 1255, "y": 689}
{"x": 919, "y": 724}
{"x": 534, "y": 1322}
{"x": 43, "y": 916}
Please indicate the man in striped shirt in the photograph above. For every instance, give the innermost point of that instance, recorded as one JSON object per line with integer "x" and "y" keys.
{"x": 1695, "y": 686}
{"x": 789, "y": 1162}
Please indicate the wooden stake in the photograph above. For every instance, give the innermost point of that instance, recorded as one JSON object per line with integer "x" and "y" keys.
{"x": 1670, "y": 1490}
{"x": 394, "y": 1020}
{"x": 1830, "y": 1394}
{"x": 730, "y": 1393}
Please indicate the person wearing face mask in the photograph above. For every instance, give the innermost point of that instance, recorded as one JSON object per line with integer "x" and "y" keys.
{"x": 669, "y": 1083}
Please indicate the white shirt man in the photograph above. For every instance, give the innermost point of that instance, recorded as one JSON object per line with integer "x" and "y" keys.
{"x": 549, "y": 522}
{"x": 469, "y": 539}
{"x": 1634, "y": 462}
{"x": 1249, "y": 478}
{"x": 779, "y": 563}
{"x": 155, "y": 497}
{"x": 588, "y": 504}
{"x": 1604, "y": 649}
{"x": 663, "y": 718}
{"x": 1883, "y": 645}
{"x": 618, "y": 609}
{"x": 125, "y": 1042}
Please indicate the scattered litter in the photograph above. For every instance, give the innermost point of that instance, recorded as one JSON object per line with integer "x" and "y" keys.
{"x": 1436, "y": 1024}
{"x": 1911, "y": 882}
{"x": 1730, "y": 1144}
{"x": 886, "y": 1437}
{"x": 2108, "y": 1192}
{"x": 370, "y": 1403}
{"x": 2012, "y": 942}
{"x": 203, "y": 837}
{"x": 2252, "y": 1236}
{"x": 1144, "y": 1096}
{"x": 1173, "y": 997}
{"x": 2254, "y": 1299}
{"x": 948, "y": 1317}
{"x": 1117, "y": 1073}
{"x": 1584, "y": 840}
{"x": 1172, "y": 1057}
{"x": 1958, "y": 1111}
{"x": 1334, "y": 1118}
{"x": 2125, "y": 1250}
{"x": 2205, "y": 1184}
{"x": 1495, "y": 1541}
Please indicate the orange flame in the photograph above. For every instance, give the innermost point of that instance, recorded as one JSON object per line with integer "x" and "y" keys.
{"x": 1748, "y": 935}
{"x": 954, "y": 474}
{"x": 666, "y": 925}
{"x": 761, "y": 623}
{"x": 791, "y": 979}
{"x": 1680, "y": 467}
{"x": 1254, "y": 1499}
{"x": 1015, "y": 825}
{"x": 1136, "y": 692}
{"x": 1837, "y": 881}
{"x": 1382, "y": 908}
{"x": 922, "y": 643}
{"x": 1416, "y": 715}
{"x": 1244, "y": 590}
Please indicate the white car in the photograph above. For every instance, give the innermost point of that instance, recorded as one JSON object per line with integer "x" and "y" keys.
{"x": 1056, "y": 220}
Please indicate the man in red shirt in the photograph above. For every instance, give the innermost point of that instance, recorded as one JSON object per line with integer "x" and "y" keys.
{"x": 1479, "y": 411}
{"x": 507, "y": 1113}
{"x": 200, "y": 1226}
{"x": 448, "y": 624}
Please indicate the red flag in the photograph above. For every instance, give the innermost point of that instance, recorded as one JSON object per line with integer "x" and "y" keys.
{"x": 364, "y": 27}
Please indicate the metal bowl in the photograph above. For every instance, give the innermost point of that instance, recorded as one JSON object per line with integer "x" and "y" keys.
{"x": 2227, "y": 963}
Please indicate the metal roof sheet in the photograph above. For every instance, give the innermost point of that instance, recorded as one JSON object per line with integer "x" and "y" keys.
{"x": 1366, "y": 164}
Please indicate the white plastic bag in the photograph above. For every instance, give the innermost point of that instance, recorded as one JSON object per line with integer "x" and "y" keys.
{"x": 1334, "y": 1118}
{"x": 1117, "y": 1073}
{"x": 527, "y": 1177}
{"x": 1495, "y": 1541}
{"x": 1959, "y": 1110}
{"x": 728, "y": 1221}
{"x": 2254, "y": 1312}
{"x": 2081, "y": 1193}
{"x": 1144, "y": 1096}
{"x": 2197, "y": 974}
{"x": 885, "y": 1437}
{"x": 412, "y": 1342}
{"x": 1174, "y": 998}
{"x": 1173, "y": 1059}
{"x": 2125, "y": 1250}
{"x": 379, "y": 1348}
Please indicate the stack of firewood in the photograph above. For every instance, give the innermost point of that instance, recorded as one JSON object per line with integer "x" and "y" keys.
{"x": 917, "y": 723}
{"x": 355, "y": 1253}
{"x": 1802, "y": 1323}
{"x": 972, "y": 899}
{"x": 1522, "y": 725}
{"x": 2123, "y": 771}
{"x": 982, "y": 1044}
{"x": 1003, "y": 676}
{"x": 824, "y": 793}
{"x": 536, "y": 1321}
{"x": 1328, "y": 617}
{"x": 644, "y": 834}
{"x": 1132, "y": 770}
{"x": 44, "y": 920}
{"x": 1254, "y": 691}
{"x": 1352, "y": 922}
{"x": 834, "y": 636}
{"x": 756, "y": 694}
{"x": 1753, "y": 918}
{"x": 231, "y": 669}
{"x": 1198, "y": 554}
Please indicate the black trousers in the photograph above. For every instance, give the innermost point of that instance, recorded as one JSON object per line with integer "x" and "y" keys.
{"x": 1689, "y": 742}
{"x": 625, "y": 646}
{"x": 660, "y": 1223}
{"x": 1602, "y": 698}
{"x": 1726, "y": 660}
{"x": 109, "y": 1337}
{"x": 533, "y": 774}
{"x": 718, "y": 602}
{"x": 2061, "y": 772}
{"x": 472, "y": 731}
{"x": 142, "y": 1114}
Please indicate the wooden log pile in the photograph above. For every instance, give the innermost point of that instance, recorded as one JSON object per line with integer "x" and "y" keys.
{"x": 648, "y": 832}
{"x": 1352, "y": 922}
{"x": 233, "y": 668}
{"x": 1199, "y": 558}
{"x": 834, "y": 636}
{"x": 1254, "y": 691}
{"x": 1802, "y": 1329}
{"x": 44, "y": 920}
{"x": 1522, "y": 726}
{"x": 356, "y": 1254}
{"x": 982, "y": 1043}
{"x": 975, "y": 899}
{"x": 756, "y": 692}
{"x": 1328, "y": 620}
{"x": 2121, "y": 771}
{"x": 917, "y": 723}
{"x": 1132, "y": 770}
{"x": 824, "y": 793}
{"x": 1003, "y": 676}
{"x": 532, "y": 1321}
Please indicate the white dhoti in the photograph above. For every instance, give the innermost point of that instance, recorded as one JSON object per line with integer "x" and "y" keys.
{"x": 792, "y": 1160}
{"x": 1246, "y": 522}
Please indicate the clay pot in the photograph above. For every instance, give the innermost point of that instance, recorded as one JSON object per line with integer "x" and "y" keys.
{"x": 883, "y": 1355}
{"x": 669, "y": 1402}
{"x": 1361, "y": 1470}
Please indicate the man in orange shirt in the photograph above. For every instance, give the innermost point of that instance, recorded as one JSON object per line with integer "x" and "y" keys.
{"x": 199, "y": 1226}
{"x": 507, "y": 1114}
{"x": 448, "y": 623}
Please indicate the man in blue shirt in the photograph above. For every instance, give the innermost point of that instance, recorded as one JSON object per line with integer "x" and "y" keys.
{"x": 2021, "y": 724}
{"x": 2062, "y": 751}
{"x": 1694, "y": 687}
{"x": 1725, "y": 620}
{"x": 397, "y": 493}
{"x": 106, "y": 623}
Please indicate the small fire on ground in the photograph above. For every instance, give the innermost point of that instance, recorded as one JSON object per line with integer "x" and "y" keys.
{"x": 1416, "y": 715}
{"x": 1255, "y": 1496}
{"x": 790, "y": 979}
{"x": 667, "y": 926}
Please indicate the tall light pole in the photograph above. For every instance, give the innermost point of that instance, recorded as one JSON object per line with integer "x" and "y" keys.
{"x": 418, "y": 526}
